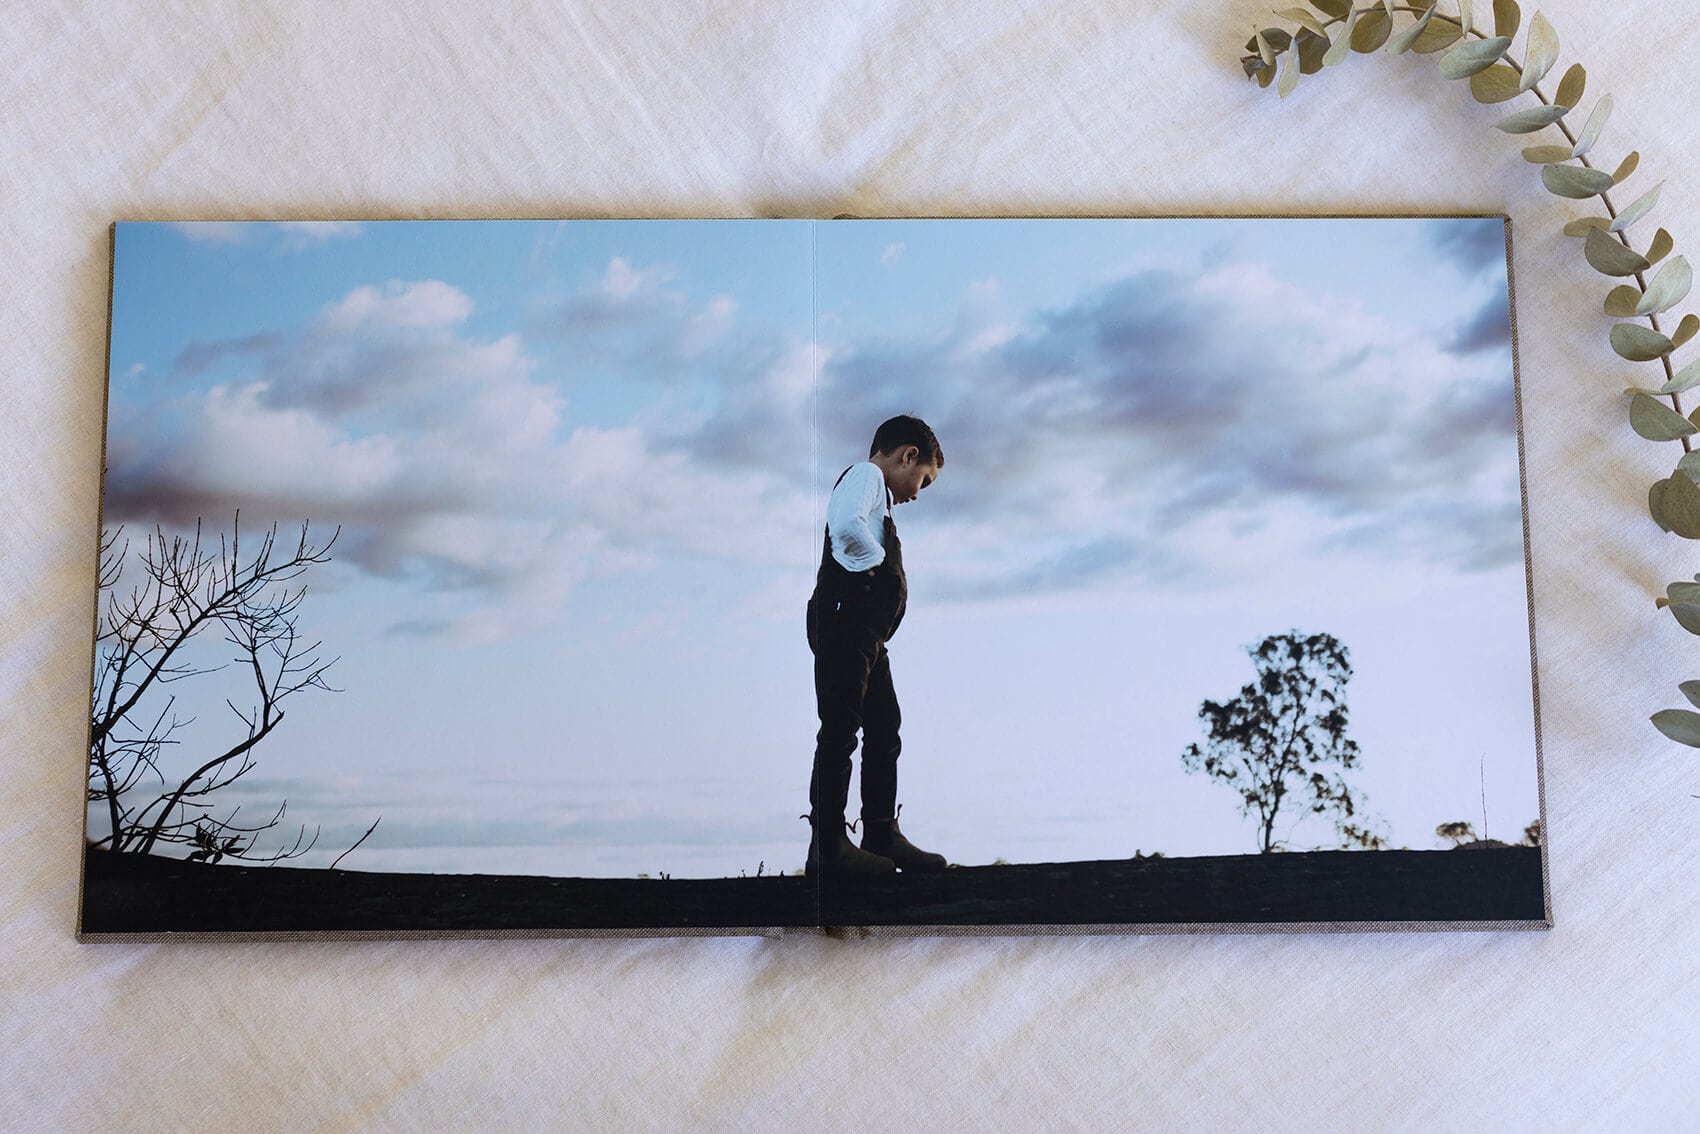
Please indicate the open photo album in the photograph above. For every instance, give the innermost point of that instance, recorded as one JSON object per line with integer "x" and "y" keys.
{"x": 607, "y": 577}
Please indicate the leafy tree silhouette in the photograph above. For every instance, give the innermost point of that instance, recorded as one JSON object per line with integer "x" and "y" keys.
{"x": 1282, "y": 743}
{"x": 179, "y": 590}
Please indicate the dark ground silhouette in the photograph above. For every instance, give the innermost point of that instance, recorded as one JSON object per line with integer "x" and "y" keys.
{"x": 150, "y": 895}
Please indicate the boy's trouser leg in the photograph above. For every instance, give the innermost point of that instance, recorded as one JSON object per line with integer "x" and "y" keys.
{"x": 881, "y": 744}
{"x": 847, "y": 652}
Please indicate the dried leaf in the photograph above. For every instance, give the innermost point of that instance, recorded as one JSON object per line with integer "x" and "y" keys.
{"x": 1574, "y": 181}
{"x": 1668, "y": 288}
{"x": 1626, "y": 167}
{"x": 1300, "y": 16}
{"x": 1570, "y": 87}
{"x": 1540, "y": 51}
{"x": 1338, "y": 9}
{"x": 1591, "y": 130}
{"x": 1441, "y": 33}
{"x": 1506, "y": 17}
{"x": 1585, "y": 225}
{"x": 1679, "y": 725}
{"x": 1289, "y": 75}
{"x": 1621, "y": 301}
{"x": 1637, "y": 209}
{"x": 1685, "y": 379}
{"x": 1342, "y": 45}
{"x": 1311, "y": 49}
{"x": 1497, "y": 84}
{"x": 1662, "y": 244}
{"x": 1686, "y": 329}
{"x": 1372, "y": 31}
{"x": 1609, "y": 257}
{"x": 1402, "y": 42}
{"x": 1656, "y": 421}
{"x": 1528, "y": 121}
{"x": 1638, "y": 343}
{"x": 1542, "y": 155}
{"x": 1472, "y": 58}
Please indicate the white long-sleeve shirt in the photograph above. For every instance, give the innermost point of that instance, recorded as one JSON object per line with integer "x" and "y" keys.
{"x": 855, "y": 517}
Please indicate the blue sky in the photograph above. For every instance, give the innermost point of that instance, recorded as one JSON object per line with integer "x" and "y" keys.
{"x": 580, "y": 471}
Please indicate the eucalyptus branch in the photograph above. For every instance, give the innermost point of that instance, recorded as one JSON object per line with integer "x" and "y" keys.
{"x": 1327, "y": 35}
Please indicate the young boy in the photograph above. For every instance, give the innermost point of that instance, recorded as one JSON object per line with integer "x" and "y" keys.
{"x": 860, "y": 595}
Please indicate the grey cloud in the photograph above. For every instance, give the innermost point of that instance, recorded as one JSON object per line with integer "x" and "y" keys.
{"x": 1180, "y": 407}
{"x": 1475, "y": 244}
{"x": 1488, "y": 329}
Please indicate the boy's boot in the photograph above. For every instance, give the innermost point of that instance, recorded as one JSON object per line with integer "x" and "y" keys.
{"x": 882, "y": 837}
{"x": 833, "y": 854}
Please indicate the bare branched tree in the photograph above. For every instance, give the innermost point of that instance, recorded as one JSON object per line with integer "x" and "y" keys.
{"x": 186, "y": 589}
{"x": 1282, "y": 743}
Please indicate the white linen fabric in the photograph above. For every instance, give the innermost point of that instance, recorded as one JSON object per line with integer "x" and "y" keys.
{"x": 314, "y": 111}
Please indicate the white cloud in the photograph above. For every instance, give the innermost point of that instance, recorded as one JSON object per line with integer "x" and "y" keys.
{"x": 892, "y": 254}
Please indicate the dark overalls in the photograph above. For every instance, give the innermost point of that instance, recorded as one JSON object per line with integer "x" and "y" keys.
{"x": 851, "y": 616}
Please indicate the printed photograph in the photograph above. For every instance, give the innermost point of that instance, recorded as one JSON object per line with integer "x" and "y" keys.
{"x": 735, "y": 576}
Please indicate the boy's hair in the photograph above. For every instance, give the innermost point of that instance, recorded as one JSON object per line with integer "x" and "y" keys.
{"x": 903, "y": 431}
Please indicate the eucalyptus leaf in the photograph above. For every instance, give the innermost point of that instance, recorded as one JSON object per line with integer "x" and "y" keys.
{"x": 1685, "y": 379}
{"x": 1574, "y": 181}
{"x": 1465, "y": 15}
{"x": 1637, "y": 208}
{"x": 1633, "y": 390}
{"x": 1621, "y": 301}
{"x": 1675, "y": 506}
{"x": 1311, "y": 49}
{"x": 1688, "y": 615}
{"x": 1265, "y": 76}
{"x": 1544, "y": 155}
{"x": 1497, "y": 84}
{"x": 1680, "y": 725}
{"x": 1388, "y": 5}
{"x": 1402, "y": 42}
{"x": 1656, "y": 421}
{"x": 1638, "y": 343}
{"x": 1472, "y": 58}
{"x": 1668, "y": 288}
{"x": 1662, "y": 244}
{"x": 1683, "y": 592}
{"x": 1289, "y": 75}
{"x": 1609, "y": 257}
{"x": 1338, "y": 9}
{"x": 1373, "y": 28}
{"x": 1528, "y": 121}
{"x": 1585, "y": 225}
{"x": 1682, "y": 507}
{"x": 1441, "y": 33}
{"x": 1591, "y": 129}
{"x": 1300, "y": 16}
{"x": 1689, "y": 466}
{"x": 1570, "y": 87}
{"x": 1626, "y": 167}
{"x": 1691, "y": 690}
{"x": 1685, "y": 330}
{"x": 1540, "y": 51}
{"x": 1338, "y": 50}
{"x": 1506, "y": 17}
{"x": 1265, "y": 50}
